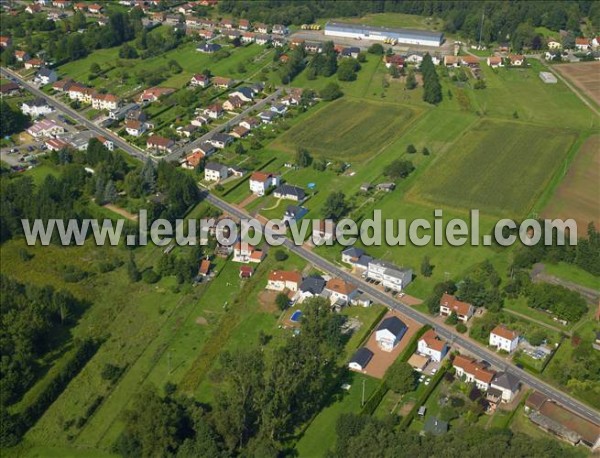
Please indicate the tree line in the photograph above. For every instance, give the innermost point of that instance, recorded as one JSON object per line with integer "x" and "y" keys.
{"x": 262, "y": 396}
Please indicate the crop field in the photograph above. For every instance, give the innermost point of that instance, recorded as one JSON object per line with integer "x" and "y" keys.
{"x": 584, "y": 76}
{"x": 577, "y": 195}
{"x": 499, "y": 168}
{"x": 347, "y": 130}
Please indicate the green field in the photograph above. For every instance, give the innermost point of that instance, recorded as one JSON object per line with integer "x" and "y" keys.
{"x": 500, "y": 168}
{"x": 348, "y": 129}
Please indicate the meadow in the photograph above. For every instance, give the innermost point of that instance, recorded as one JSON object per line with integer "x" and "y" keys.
{"x": 500, "y": 168}
{"x": 347, "y": 130}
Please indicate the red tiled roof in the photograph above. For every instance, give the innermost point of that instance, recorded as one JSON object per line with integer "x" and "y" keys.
{"x": 461, "y": 308}
{"x": 502, "y": 331}
{"x": 340, "y": 286}
{"x": 204, "y": 267}
{"x": 470, "y": 366}
{"x": 159, "y": 141}
{"x": 433, "y": 341}
{"x": 285, "y": 275}
{"x": 260, "y": 176}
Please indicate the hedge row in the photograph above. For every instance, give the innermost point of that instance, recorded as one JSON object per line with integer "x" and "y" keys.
{"x": 15, "y": 426}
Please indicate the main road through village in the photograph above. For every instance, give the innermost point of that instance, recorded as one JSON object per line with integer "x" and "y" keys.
{"x": 378, "y": 296}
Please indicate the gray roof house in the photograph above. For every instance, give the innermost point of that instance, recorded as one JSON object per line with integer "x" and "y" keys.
{"x": 220, "y": 140}
{"x": 294, "y": 213}
{"x": 313, "y": 285}
{"x": 360, "y": 359}
{"x": 286, "y": 191}
{"x": 506, "y": 383}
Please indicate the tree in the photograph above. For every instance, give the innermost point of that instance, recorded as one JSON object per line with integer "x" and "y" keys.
{"x": 110, "y": 193}
{"x": 411, "y": 81}
{"x": 376, "y": 48}
{"x": 95, "y": 68}
{"x": 127, "y": 52}
{"x": 394, "y": 72}
{"x": 335, "y": 206}
{"x": 280, "y": 255}
{"x": 400, "y": 378}
{"x": 410, "y": 149}
{"x": 398, "y": 169}
{"x": 11, "y": 120}
{"x": 432, "y": 89}
{"x": 282, "y": 301}
{"x": 461, "y": 328}
{"x": 426, "y": 267}
{"x": 331, "y": 92}
{"x": 452, "y": 319}
{"x": 132, "y": 270}
{"x": 425, "y": 151}
{"x": 303, "y": 157}
{"x": 239, "y": 148}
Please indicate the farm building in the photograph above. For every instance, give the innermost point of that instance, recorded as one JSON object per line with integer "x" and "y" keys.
{"x": 548, "y": 78}
{"x": 404, "y": 36}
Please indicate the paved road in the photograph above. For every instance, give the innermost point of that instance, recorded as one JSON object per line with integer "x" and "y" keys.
{"x": 67, "y": 110}
{"x": 326, "y": 266}
{"x": 469, "y": 345}
{"x": 232, "y": 122}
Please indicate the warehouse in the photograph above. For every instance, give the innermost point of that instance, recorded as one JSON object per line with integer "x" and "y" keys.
{"x": 404, "y": 36}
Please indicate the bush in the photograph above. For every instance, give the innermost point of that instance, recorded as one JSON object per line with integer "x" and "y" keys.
{"x": 460, "y": 327}
{"x": 280, "y": 255}
{"x": 150, "y": 277}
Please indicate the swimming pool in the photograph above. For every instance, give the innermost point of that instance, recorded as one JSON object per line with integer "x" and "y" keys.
{"x": 296, "y": 316}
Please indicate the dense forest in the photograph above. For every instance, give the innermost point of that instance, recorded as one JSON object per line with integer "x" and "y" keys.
{"x": 502, "y": 19}
{"x": 166, "y": 190}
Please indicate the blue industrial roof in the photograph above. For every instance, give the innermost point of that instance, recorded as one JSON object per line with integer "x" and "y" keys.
{"x": 386, "y": 31}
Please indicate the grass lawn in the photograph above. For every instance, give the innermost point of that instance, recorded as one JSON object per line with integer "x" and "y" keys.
{"x": 573, "y": 274}
{"x": 347, "y": 130}
{"x": 319, "y": 437}
{"x": 40, "y": 172}
{"x": 398, "y": 20}
{"x": 519, "y": 305}
{"x": 497, "y": 173}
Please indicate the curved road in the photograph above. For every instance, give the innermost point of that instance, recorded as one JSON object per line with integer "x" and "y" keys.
{"x": 476, "y": 349}
{"x": 380, "y": 297}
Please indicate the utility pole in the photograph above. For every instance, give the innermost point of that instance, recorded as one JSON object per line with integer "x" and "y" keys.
{"x": 169, "y": 361}
{"x": 362, "y": 402}
{"x": 481, "y": 29}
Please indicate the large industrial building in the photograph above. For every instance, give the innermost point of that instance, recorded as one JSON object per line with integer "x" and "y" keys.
{"x": 365, "y": 32}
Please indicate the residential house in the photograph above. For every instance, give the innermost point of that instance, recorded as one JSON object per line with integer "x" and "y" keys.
{"x": 449, "y": 304}
{"x": 208, "y": 48}
{"x": 200, "y": 120}
{"x": 340, "y": 292}
{"x": 244, "y": 24}
{"x": 239, "y": 132}
{"x": 206, "y": 34}
{"x": 221, "y": 140}
{"x": 21, "y": 56}
{"x": 56, "y": 144}
{"x": 204, "y": 269}
{"x": 214, "y": 111}
{"x": 596, "y": 42}
{"x": 494, "y": 61}
{"x": 279, "y": 108}
{"x": 206, "y": 148}
{"x": 385, "y": 187}
{"x": 313, "y": 47}
{"x": 231, "y": 34}
{"x": 192, "y": 160}
{"x": 286, "y": 191}
{"x": 394, "y": 60}
{"x": 154, "y": 93}
{"x": 296, "y": 42}
{"x": 160, "y": 143}
{"x": 279, "y": 29}
{"x": 389, "y": 332}
{"x": 278, "y": 42}
{"x": 281, "y": 280}
{"x": 62, "y": 4}
{"x": 45, "y": 128}
{"x": 293, "y": 213}
{"x": 262, "y": 39}
{"x": 267, "y": 117}
{"x": 504, "y": 339}
{"x": 451, "y": 61}
{"x": 187, "y": 131}
{"x": 105, "y": 102}
{"x": 473, "y": 372}
{"x": 214, "y": 171}
{"x": 236, "y": 171}
{"x": 507, "y": 384}
{"x": 5, "y": 41}
{"x": 244, "y": 93}
{"x": 311, "y": 286}
{"x": 554, "y": 44}
{"x": 582, "y": 44}
{"x": 248, "y": 37}
{"x": 45, "y": 76}
{"x": 122, "y": 112}
{"x": 516, "y": 60}
{"x": 36, "y": 107}
{"x": 352, "y": 255}
{"x": 261, "y": 28}
{"x": 431, "y": 345}
{"x": 244, "y": 252}
{"x": 226, "y": 24}
{"x": 261, "y": 181}
{"x": 95, "y": 8}
{"x": 108, "y": 144}
{"x": 246, "y": 272}
{"x": 33, "y": 8}
{"x": 390, "y": 276}
{"x": 200, "y": 80}
{"x": 34, "y": 63}
{"x": 352, "y": 52}
{"x": 414, "y": 58}
{"x": 233, "y": 103}
{"x": 360, "y": 359}
{"x": 222, "y": 82}
{"x": 323, "y": 232}
{"x": 9, "y": 89}
{"x": 250, "y": 123}
{"x": 135, "y": 128}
